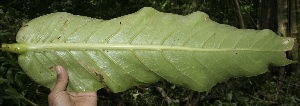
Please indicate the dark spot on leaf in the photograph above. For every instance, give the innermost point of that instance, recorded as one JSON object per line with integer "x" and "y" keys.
{"x": 236, "y": 53}
{"x": 100, "y": 76}
{"x": 58, "y": 37}
{"x": 120, "y": 23}
{"x": 206, "y": 18}
{"x": 51, "y": 67}
{"x": 66, "y": 22}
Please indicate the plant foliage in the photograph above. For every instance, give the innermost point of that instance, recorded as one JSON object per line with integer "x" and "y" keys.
{"x": 143, "y": 48}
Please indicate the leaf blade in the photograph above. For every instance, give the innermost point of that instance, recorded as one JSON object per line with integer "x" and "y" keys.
{"x": 142, "y": 48}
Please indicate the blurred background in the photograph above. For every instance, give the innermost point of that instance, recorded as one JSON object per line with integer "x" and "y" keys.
{"x": 279, "y": 86}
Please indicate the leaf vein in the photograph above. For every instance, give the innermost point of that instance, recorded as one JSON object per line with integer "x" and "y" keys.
{"x": 180, "y": 71}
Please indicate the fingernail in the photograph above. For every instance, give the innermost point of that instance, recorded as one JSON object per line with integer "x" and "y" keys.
{"x": 58, "y": 69}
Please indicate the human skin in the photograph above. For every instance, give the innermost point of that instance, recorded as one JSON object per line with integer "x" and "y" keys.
{"x": 60, "y": 97}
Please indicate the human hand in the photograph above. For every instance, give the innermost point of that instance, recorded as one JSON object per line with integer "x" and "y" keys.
{"x": 60, "y": 97}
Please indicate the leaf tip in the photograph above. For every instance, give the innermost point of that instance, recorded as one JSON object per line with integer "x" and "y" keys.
{"x": 289, "y": 43}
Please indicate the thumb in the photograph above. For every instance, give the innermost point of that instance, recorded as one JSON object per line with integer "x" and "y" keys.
{"x": 62, "y": 79}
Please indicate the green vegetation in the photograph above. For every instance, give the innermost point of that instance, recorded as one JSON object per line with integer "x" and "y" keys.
{"x": 275, "y": 87}
{"x": 143, "y": 48}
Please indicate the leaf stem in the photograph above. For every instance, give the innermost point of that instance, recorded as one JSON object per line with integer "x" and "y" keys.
{"x": 15, "y": 48}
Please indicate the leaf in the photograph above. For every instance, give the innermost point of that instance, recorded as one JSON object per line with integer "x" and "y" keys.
{"x": 143, "y": 48}
{"x": 2, "y": 80}
{"x": 13, "y": 93}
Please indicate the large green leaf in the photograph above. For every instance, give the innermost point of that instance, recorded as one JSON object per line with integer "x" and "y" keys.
{"x": 142, "y": 48}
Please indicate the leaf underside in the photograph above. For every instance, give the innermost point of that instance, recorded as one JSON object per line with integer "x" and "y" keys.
{"x": 143, "y": 48}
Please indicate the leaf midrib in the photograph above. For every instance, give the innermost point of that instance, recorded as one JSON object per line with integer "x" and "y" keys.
{"x": 99, "y": 46}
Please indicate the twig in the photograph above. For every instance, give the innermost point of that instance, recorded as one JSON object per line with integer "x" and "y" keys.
{"x": 238, "y": 11}
{"x": 193, "y": 101}
{"x": 164, "y": 95}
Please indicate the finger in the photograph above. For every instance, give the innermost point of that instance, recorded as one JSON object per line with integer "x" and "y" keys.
{"x": 62, "y": 79}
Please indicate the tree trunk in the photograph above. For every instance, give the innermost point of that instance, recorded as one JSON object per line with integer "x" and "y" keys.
{"x": 293, "y": 32}
{"x": 268, "y": 15}
{"x": 282, "y": 17}
{"x": 287, "y": 27}
{"x": 298, "y": 13}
